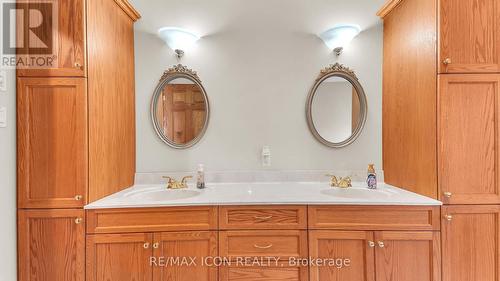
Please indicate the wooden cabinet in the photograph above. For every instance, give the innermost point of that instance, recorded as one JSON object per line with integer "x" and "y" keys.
{"x": 200, "y": 246}
{"x": 409, "y": 256}
{"x": 263, "y": 217}
{"x": 119, "y": 257}
{"x": 381, "y": 255}
{"x": 469, "y": 131}
{"x": 264, "y": 243}
{"x": 51, "y": 245}
{"x": 52, "y": 142}
{"x": 469, "y": 36}
{"x": 147, "y": 256}
{"x": 268, "y": 273}
{"x": 357, "y": 246}
{"x": 67, "y": 44}
{"x": 471, "y": 243}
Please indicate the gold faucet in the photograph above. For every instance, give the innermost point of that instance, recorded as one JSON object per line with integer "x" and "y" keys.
{"x": 340, "y": 182}
{"x": 174, "y": 184}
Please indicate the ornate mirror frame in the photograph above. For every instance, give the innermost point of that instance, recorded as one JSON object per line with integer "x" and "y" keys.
{"x": 178, "y": 71}
{"x": 337, "y": 70}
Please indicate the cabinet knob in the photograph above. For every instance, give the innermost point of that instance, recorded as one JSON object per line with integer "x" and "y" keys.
{"x": 447, "y": 194}
{"x": 146, "y": 245}
{"x": 448, "y": 217}
{"x": 156, "y": 245}
{"x": 78, "y": 220}
{"x": 447, "y": 61}
{"x": 78, "y": 65}
{"x": 78, "y": 197}
{"x": 371, "y": 244}
{"x": 381, "y": 244}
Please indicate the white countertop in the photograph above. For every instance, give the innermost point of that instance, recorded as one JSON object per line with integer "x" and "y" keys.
{"x": 285, "y": 193}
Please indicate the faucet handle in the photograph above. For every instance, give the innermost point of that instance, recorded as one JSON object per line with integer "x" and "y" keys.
{"x": 170, "y": 180}
{"x": 334, "y": 181}
{"x": 184, "y": 179}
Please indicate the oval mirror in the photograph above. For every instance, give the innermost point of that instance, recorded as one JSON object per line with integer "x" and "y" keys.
{"x": 336, "y": 107}
{"x": 179, "y": 108}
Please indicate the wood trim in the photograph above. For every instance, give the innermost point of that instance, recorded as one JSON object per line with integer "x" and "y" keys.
{"x": 128, "y": 9}
{"x": 388, "y": 7}
{"x": 374, "y": 217}
{"x": 151, "y": 219}
{"x": 263, "y": 217}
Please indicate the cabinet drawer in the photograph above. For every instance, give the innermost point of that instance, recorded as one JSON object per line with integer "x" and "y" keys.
{"x": 375, "y": 217}
{"x": 270, "y": 243}
{"x": 263, "y": 217}
{"x": 263, "y": 273}
{"x": 151, "y": 219}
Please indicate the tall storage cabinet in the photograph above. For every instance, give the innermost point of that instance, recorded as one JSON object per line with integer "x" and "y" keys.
{"x": 67, "y": 153}
{"x": 456, "y": 55}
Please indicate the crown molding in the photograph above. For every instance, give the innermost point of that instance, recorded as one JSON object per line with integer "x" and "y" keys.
{"x": 128, "y": 9}
{"x": 388, "y": 7}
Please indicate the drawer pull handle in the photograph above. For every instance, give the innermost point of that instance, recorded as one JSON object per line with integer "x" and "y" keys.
{"x": 263, "y": 218}
{"x": 263, "y": 247}
{"x": 371, "y": 244}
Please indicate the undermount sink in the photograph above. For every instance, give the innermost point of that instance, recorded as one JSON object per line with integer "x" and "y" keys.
{"x": 357, "y": 193}
{"x": 163, "y": 194}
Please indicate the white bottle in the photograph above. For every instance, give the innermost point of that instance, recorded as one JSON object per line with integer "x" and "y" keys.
{"x": 200, "y": 177}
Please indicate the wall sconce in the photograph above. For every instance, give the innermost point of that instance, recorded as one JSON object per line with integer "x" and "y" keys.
{"x": 178, "y": 39}
{"x": 339, "y": 37}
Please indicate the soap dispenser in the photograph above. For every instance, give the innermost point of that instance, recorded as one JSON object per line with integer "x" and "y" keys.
{"x": 371, "y": 179}
{"x": 200, "y": 177}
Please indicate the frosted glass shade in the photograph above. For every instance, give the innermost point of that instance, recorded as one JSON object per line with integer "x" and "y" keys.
{"x": 177, "y": 38}
{"x": 340, "y": 36}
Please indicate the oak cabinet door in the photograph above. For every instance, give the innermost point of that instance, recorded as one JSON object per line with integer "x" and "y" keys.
{"x": 68, "y": 38}
{"x": 471, "y": 243}
{"x": 51, "y": 245}
{"x": 469, "y": 128}
{"x": 357, "y": 246}
{"x": 52, "y": 142}
{"x": 195, "y": 251}
{"x": 408, "y": 256}
{"x": 119, "y": 257}
{"x": 469, "y": 36}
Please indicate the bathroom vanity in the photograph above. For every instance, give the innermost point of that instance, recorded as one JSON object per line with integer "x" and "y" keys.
{"x": 386, "y": 234}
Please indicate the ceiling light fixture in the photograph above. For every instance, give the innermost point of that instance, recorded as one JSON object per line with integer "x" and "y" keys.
{"x": 178, "y": 39}
{"x": 339, "y": 37}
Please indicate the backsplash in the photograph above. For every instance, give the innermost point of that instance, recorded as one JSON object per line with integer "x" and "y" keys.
{"x": 257, "y": 176}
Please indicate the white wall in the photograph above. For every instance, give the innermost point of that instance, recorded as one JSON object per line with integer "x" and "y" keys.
{"x": 257, "y": 76}
{"x": 8, "y": 183}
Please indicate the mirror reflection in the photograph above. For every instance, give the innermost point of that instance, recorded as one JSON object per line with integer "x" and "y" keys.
{"x": 180, "y": 110}
{"x": 335, "y": 109}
